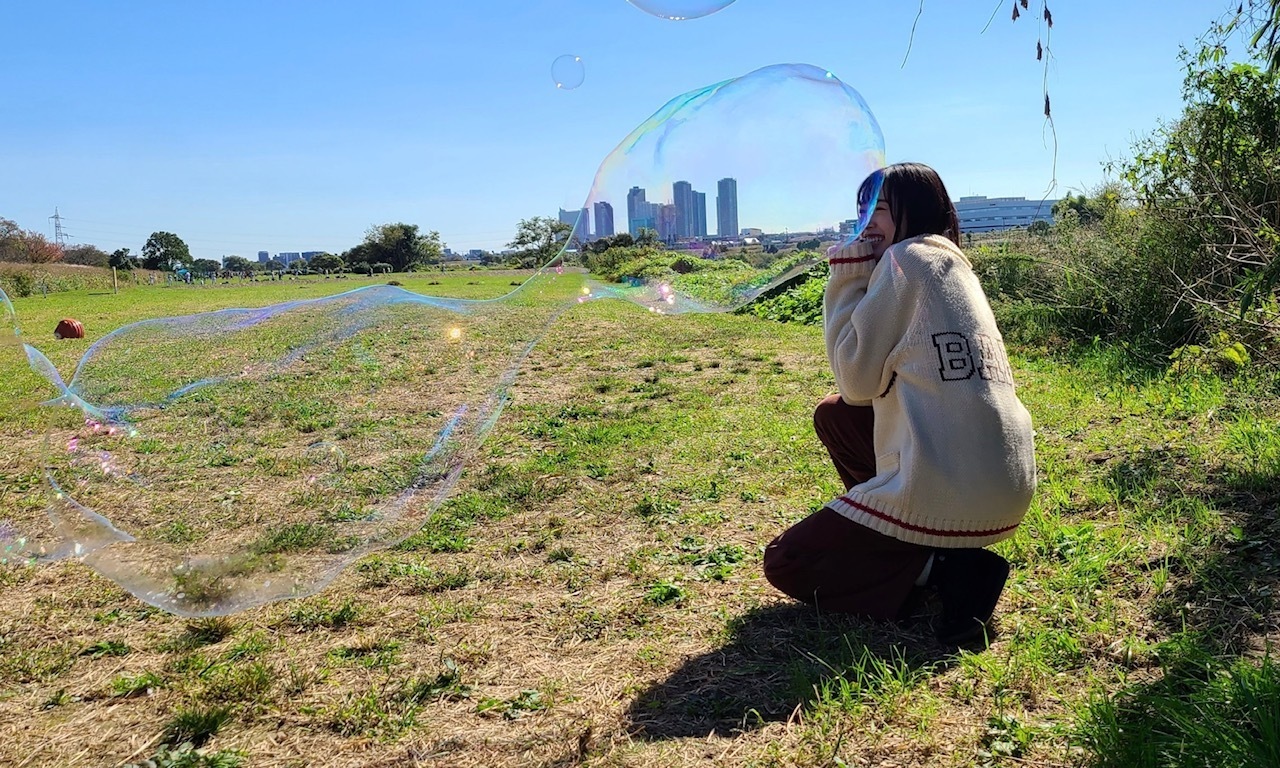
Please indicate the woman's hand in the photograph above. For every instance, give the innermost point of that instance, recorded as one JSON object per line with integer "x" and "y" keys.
{"x": 858, "y": 249}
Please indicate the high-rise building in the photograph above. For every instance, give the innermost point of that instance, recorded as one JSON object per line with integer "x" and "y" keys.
{"x": 682, "y": 195}
{"x": 263, "y": 257}
{"x": 580, "y": 220}
{"x": 604, "y": 219}
{"x": 646, "y": 217}
{"x": 699, "y": 227}
{"x": 636, "y": 208}
{"x": 667, "y": 222}
{"x": 727, "y": 207}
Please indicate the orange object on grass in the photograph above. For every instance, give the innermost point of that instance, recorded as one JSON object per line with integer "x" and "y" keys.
{"x": 68, "y": 329}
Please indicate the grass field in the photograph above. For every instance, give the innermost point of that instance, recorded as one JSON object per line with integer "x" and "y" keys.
{"x": 590, "y": 594}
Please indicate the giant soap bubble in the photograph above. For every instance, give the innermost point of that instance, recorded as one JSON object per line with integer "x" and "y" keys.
{"x": 779, "y": 152}
{"x": 218, "y": 461}
{"x": 213, "y": 462}
{"x": 680, "y": 10}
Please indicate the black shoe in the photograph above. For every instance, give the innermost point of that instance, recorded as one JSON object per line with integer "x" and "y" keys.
{"x": 969, "y": 582}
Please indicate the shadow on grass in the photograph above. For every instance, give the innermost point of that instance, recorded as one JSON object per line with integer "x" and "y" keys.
{"x": 779, "y": 659}
{"x": 1217, "y": 701}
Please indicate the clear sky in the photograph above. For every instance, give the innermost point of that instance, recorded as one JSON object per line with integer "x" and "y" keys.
{"x": 294, "y": 125}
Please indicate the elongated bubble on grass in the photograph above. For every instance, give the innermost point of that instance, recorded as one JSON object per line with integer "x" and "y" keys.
{"x": 10, "y": 335}
{"x": 218, "y": 461}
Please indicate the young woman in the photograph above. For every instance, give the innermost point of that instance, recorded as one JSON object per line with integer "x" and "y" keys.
{"x": 927, "y": 432}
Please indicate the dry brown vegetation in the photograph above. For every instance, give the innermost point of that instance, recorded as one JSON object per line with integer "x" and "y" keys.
{"x": 592, "y": 595}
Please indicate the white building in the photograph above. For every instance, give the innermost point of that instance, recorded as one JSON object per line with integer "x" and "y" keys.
{"x": 990, "y": 214}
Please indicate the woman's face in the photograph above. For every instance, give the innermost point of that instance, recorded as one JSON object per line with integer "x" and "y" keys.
{"x": 880, "y": 230}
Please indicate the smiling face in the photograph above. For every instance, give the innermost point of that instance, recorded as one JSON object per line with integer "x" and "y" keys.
{"x": 880, "y": 230}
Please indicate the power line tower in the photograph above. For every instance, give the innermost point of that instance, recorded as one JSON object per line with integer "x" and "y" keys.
{"x": 59, "y": 237}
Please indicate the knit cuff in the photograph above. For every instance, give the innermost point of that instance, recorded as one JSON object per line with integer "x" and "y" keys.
{"x": 851, "y": 259}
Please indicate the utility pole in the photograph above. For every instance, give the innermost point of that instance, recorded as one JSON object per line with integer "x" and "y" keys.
{"x": 59, "y": 237}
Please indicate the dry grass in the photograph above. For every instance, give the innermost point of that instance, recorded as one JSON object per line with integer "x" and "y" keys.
{"x": 592, "y": 594}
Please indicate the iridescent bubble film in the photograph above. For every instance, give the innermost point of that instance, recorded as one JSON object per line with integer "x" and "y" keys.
{"x": 217, "y": 461}
{"x": 681, "y": 10}
{"x": 736, "y": 177}
{"x": 568, "y": 72}
{"x": 10, "y": 335}
{"x": 213, "y": 462}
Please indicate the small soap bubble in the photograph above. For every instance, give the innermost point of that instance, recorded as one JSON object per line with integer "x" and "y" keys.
{"x": 568, "y": 71}
{"x": 681, "y": 10}
{"x": 325, "y": 462}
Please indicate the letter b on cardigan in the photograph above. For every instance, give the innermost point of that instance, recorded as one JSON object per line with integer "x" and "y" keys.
{"x": 956, "y": 359}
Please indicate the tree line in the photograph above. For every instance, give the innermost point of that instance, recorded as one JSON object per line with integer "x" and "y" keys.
{"x": 392, "y": 247}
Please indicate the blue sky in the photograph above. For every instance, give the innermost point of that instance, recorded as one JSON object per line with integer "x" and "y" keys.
{"x": 292, "y": 126}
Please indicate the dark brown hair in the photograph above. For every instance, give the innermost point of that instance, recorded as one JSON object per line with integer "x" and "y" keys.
{"x": 917, "y": 199}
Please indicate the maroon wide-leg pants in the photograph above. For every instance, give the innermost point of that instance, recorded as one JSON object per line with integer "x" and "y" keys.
{"x": 827, "y": 559}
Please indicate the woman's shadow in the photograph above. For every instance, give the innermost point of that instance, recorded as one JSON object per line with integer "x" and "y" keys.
{"x": 778, "y": 659}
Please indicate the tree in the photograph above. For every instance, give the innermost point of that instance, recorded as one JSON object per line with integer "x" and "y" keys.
{"x": 34, "y": 248}
{"x": 539, "y": 240}
{"x": 120, "y": 259}
{"x": 1210, "y": 185}
{"x": 20, "y": 245}
{"x": 236, "y": 264}
{"x": 326, "y": 262}
{"x": 166, "y": 251}
{"x": 1262, "y": 19}
{"x": 88, "y": 255}
{"x": 205, "y": 266}
{"x": 647, "y": 236}
{"x": 400, "y": 245}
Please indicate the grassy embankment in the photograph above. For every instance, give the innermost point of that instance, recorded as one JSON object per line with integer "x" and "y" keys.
{"x": 591, "y": 593}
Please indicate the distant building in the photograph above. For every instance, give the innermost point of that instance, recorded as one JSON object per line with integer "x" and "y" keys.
{"x": 847, "y": 226}
{"x": 475, "y": 254}
{"x": 752, "y": 232}
{"x": 668, "y": 222}
{"x": 727, "y": 207}
{"x": 263, "y": 257}
{"x": 692, "y": 207}
{"x": 580, "y": 220}
{"x": 604, "y": 219}
{"x": 636, "y": 207}
{"x": 289, "y": 257}
{"x": 309, "y": 255}
{"x": 646, "y": 217}
{"x": 682, "y": 196}
{"x": 992, "y": 214}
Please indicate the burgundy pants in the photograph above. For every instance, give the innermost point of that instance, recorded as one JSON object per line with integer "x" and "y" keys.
{"x": 827, "y": 559}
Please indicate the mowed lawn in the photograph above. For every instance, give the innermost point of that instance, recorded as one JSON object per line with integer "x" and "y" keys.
{"x": 591, "y": 593}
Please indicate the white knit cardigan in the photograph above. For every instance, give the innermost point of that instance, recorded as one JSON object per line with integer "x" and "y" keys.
{"x": 913, "y": 336}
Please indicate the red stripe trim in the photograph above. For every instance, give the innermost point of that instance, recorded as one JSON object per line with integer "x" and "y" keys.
{"x": 852, "y": 260}
{"x": 921, "y": 528}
